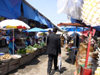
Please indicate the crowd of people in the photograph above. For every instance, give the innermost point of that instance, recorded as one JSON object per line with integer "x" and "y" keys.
{"x": 54, "y": 43}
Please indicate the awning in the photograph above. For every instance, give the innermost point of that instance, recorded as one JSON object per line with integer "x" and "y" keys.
{"x": 30, "y": 13}
{"x": 33, "y": 14}
{"x": 10, "y": 8}
{"x": 72, "y": 24}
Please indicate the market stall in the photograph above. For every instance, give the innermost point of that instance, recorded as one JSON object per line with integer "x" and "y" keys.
{"x": 13, "y": 24}
{"x": 83, "y": 11}
{"x": 9, "y": 62}
{"x": 83, "y": 54}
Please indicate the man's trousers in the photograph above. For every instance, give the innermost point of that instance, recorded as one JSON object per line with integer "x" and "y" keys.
{"x": 52, "y": 58}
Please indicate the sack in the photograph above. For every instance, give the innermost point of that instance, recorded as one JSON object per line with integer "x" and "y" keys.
{"x": 70, "y": 7}
{"x": 59, "y": 62}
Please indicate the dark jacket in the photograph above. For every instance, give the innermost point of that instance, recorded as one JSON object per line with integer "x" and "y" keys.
{"x": 76, "y": 40}
{"x": 53, "y": 44}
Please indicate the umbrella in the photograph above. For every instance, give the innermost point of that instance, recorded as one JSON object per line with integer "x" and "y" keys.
{"x": 13, "y": 24}
{"x": 36, "y": 30}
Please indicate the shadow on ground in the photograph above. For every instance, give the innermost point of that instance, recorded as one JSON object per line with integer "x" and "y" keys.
{"x": 34, "y": 61}
{"x": 60, "y": 71}
{"x": 63, "y": 69}
{"x": 71, "y": 59}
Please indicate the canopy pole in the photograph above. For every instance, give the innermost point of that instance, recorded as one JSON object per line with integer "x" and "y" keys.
{"x": 75, "y": 35}
{"x": 88, "y": 49}
{"x": 13, "y": 41}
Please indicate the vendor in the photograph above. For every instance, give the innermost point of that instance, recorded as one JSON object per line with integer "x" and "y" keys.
{"x": 36, "y": 38}
{"x": 12, "y": 46}
{"x": 62, "y": 40}
{"x": 27, "y": 43}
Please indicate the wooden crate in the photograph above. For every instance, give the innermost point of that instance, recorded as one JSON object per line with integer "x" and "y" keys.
{"x": 25, "y": 59}
{"x": 36, "y": 53}
{"x": 13, "y": 64}
{"x": 42, "y": 50}
{"x": 29, "y": 57}
{"x": 3, "y": 68}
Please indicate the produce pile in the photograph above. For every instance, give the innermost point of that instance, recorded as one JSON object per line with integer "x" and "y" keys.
{"x": 5, "y": 57}
{"x": 81, "y": 55}
{"x": 8, "y": 57}
{"x": 21, "y": 51}
{"x": 30, "y": 49}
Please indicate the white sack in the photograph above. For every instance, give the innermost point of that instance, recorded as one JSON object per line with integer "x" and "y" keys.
{"x": 70, "y": 7}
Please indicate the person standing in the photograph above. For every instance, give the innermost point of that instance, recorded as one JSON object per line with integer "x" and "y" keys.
{"x": 76, "y": 40}
{"x": 53, "y": 50}
{"x": 27, "y": 43}
{"x": 12, "y": 46}
{"x": 49, "y": 32}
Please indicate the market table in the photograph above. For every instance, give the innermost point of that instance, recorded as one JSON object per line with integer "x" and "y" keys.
{"x": 13, "y": 64}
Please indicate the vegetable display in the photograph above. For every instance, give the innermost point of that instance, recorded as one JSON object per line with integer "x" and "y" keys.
{"x": 36, "y": 46}
{"x": 21, "y": 51}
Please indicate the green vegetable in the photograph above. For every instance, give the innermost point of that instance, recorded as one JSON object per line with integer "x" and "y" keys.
{"x": 21, "y": 51}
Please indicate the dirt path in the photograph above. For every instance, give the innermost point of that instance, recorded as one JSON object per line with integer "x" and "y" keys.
{"x": 38, "y": 66}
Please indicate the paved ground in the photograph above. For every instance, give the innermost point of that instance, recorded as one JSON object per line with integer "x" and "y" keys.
{"x": 38, "y": 66}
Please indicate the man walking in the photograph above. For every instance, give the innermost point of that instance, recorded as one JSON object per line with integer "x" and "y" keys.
{"x": 53, "y": 50}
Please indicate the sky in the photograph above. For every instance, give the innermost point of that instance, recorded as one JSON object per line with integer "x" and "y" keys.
{"x": 49, "y": 9}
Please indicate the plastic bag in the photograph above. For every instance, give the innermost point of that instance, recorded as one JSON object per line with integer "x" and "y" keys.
{"x": 61, "y": 5}
{"x": 70, "y": 7}
{"x": 59, "y": 62}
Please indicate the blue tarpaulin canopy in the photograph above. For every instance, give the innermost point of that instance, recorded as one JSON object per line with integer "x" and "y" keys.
{"x": 73, "y": 28}
{"x": 30, "y": 13}
{"x": 77, "y": 21}
{"x": 49, "y": 24}
{"x": 36, "y": 30}
{"x": 45, "y": 21}
{"x": 10, "y": 8}
{"x": 97, "y": 28}
{"x": 33, "y": 14}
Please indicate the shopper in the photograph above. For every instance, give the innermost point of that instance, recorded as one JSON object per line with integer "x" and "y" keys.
{"x": 53, "y": 50}
{"x": 49, "y": 32}
{"x": 76, "y": 40}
